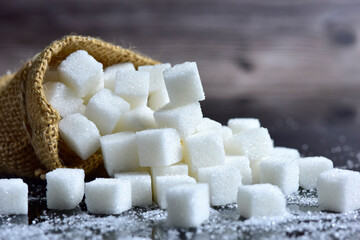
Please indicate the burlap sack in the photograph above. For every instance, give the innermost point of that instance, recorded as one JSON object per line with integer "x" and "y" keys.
{"x": 30, "y": 143}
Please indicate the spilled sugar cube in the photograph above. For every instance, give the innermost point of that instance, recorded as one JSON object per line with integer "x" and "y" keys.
{"x": 238, "y": 125}
{"x": 13, "y": 196}
{"x": 243, "y": 164}
{"x": 310, "y": 169}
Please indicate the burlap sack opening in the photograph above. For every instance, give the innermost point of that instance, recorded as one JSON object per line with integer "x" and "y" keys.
{"x": 30, "y": 143}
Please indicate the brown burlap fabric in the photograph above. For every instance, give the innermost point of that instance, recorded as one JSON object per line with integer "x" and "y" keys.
{"x": 30, "y": 143}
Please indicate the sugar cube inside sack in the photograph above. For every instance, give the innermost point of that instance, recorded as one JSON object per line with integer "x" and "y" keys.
{"x": 183, "y": 84}
{"x": 209, "y": 125}
{"x": 119, "y": 151}
{"x": 64, "y": 188}
{"x": 260, "y": 200}
{"x": 188, "y": 205}
{"x": 80, "y": 134}
{"x": 108, "y": 196}
{"x": 13, "y": 196}
{"x": 223, "y": 183}
{"x": 81, "y": 72}
{"x": 164, "y": 183}
{"x": 241, "y": 124}
{"x": 158, "y": 99}
{"x": 138, "y": 119}
{"x": 285, "y": 152}
{"x": 158, "y": 147}
{"x": 243, "y": 164}
{"x": 226, "y": 133}
{"x": 184, "y": 119}
{"x": 310, "y": 168}
{"x": 110, "y": 73}
{"x": 141, "y": 192}
{"x": 339, "y": 190}
{"x": 283, "y": 173}
{"x": 156, "y": 75}
{"x": 133, "y": 87}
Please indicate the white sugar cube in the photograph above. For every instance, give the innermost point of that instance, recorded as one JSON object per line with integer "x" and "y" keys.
{"x": 94, "y": 91}
{"x": 108, "y": 196}
{"x": 141, "y": 192}
{"x": 110, "y": 73}
{"x": 226, "y": 133}
{"x": 255, "y": 171}
{"x": 80, "y": 134}
{"x": 223, "y": 183}
{"x": 105, "y": 109}
{"x": 13, "y": 196}
{"x": 62, "y": 98}
{"x": 243, "y": 164}
{"x": 339, "y": 190}
{"x": 158, "y": 147}
{"x": 284, "y": 152}
{"x": 203, "y": 150}
{"x": 158, "y": 99}
{"x": 188, "y": 205}
{"x": 254, "y": 143}
{"x": 137, "y": 119}
{"x": 184, "y": 119}
{"x": 81, "y": 72}
{"x": 310, "y": 168}
{"x": 183, "y": 84}
{"x": 209, "y": 125}
{"x": 260, "y": 200}
{"x": 119, "y": 151}
{"x": 156, "y": 75}
{"x": 133, "y": 87}
{"x": 164, "y": 183}
{"x": 238, "y": 125}
{"x": 64, "y": 188}
{"x": 283, "y": 173}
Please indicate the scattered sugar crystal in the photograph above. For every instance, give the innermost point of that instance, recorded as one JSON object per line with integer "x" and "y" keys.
{"x": 158, "y": 147}
{"x": 62, "y": 98}
{"x": 209, "y": 125}
{"x": 283, "y": 173}
{"x": 241, "y": 124}
{"x": 119, "y": 151}
{"x": 243, "y": 164}
{"x": 339, "y": 190}
{"x": 158, "y": 99}
{"x": 110, "y": 73}
{"x": 141, "y": 192}
{"x": 164, "y": 183}
{"x": 183, "y": 84}
{"x": 223, "y": 183}
{"x": 81, "y": 72}
{"x": 105, "y": 109}
{"x": 156, "y": 75}
{"x": 80, "y": 134}
{"x": 64, "y": 188}
{"x": 310, "y": 168}
{"x": 188, "y": 205}
{"x": 260, "y": 200}
{"x": 255, "y": 171}
{"x": 184, "y": 119}
{"x": 137, "y": 119}
{"x": 133, "y": 87}
{"x": 13, "y": 196}
{"x": 284, "y": 152}
{"x": 108, "y": 196}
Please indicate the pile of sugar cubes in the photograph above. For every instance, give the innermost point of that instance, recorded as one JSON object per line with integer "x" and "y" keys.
{"x": 158, "y": 147}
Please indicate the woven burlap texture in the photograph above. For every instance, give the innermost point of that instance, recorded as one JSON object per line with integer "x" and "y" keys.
{"x": 30, "y": 143}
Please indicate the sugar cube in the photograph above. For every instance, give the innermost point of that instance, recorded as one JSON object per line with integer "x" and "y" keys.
{"x": 188, "y": 205}
{"x": 254, "y": 143}
{"x": 285, "y": 152}
{"x": 203, "y": 150}
{"x": 81, "y": 72}
{"x": 105, "y": 109}
{"x": 339, "y": 190}
{"x": 64, "y": 188}
{"x": 310, "y": 168}
{"x": 283, "y": 173}
{"x": 255, "y": 171}
{"x": 158, "y": 99}
{"x": 163, "y": 183}
{"x": 223, "y": 183}
{"x": 226, "y": 133}
{"x": 119, "y": 151}
{"x": 207, "y": 125}
{"x": 110, "y": 73}
{"x": 133, "y": 87}
{"x": 137, "y": 119}
{"x": 141, "y": 193}
{"x": 108, "y": 196}
{"x": 243, "y": 164}
{"x": 184, "y": 119}
{"x": 80, "y": 134}
{"x": 261, "y": 200}
{"x": 183, "y": 84}
{"x": 94, "y": 91}
{"x": 156, "y": 75}
{"x": 238, "y": 125}
{"x": 62, "y": 98}
{"x": 13, "y": 196}
{"x": 158, "y": 147}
